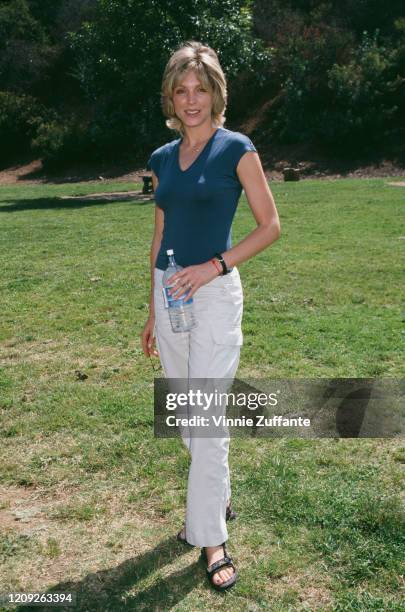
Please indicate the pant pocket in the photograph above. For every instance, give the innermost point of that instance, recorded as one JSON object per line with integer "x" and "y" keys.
{"x": 226, "y": 332}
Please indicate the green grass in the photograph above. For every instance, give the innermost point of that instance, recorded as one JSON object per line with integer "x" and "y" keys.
{"x": 320, "y": 522}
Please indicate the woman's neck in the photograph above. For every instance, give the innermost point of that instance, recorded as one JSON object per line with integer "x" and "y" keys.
{"x": 194, "y": 137}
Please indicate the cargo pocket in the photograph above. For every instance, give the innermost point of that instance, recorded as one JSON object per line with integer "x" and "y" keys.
{"x": 224, "y": 332}
{"x": 232, "y": 293}
{"x": 226, "y": 314}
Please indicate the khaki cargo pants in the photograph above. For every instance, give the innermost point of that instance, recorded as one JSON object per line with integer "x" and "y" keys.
{"x": 209, "y": 351}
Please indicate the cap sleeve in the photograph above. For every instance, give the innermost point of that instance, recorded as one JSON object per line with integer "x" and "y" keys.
{"x": 154, "y": 162}
{"x": 240, "y": 145}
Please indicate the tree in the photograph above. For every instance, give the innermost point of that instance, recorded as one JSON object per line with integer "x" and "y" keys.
{"x": 24, "y": 47}
{"x": 121, "y": 55}
{"x": 340, "y": 85}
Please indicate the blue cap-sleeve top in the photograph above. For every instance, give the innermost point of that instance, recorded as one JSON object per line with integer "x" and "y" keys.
{"x": 200, "y": 202}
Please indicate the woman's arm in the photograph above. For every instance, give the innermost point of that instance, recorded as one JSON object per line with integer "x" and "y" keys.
{"x": 156, "y": 242}
{"x": 261, "y": 201}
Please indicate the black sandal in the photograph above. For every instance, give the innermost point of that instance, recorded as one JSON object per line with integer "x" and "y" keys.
{"x": 230, "y": 516}
{"x": 215, "y": 567}
{"x": 180, "y": 538}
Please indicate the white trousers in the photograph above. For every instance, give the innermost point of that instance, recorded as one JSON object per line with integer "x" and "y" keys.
{"x": 211, "y": 350}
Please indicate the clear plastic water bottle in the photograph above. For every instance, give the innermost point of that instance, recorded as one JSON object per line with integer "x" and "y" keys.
{"x": 181, "y": 311}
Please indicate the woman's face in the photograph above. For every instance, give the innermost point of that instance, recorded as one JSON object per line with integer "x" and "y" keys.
{"x": 189, "y": 95}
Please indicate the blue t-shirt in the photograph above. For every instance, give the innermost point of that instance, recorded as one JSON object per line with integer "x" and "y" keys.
{"x": 200, "y": 202}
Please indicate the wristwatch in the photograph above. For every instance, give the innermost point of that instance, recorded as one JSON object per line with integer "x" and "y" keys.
{"x": 222, "y": 262}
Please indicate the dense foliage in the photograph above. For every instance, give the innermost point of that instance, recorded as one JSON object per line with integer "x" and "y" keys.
{"x": 122, "y": 53}
{"x": 80, "y": 79}
{"x": 338, "y": 71}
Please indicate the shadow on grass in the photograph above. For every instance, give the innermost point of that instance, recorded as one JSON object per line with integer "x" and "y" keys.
{"x": 56, "y": 202}
{"x": 106, "y": 589}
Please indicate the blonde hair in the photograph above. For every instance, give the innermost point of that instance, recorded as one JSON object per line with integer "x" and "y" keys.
{"x": 204, "y": 62}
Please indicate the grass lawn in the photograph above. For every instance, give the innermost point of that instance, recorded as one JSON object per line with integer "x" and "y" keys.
{"x": 320, "y": 523}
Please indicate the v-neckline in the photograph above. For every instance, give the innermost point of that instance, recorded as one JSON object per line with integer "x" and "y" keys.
{"x": 198, "y": 156}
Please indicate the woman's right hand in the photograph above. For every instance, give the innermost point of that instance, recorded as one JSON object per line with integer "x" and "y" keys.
{"x": 148, "y": 339}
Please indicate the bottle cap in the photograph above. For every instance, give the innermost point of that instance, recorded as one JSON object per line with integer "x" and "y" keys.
{"x": 169, "y": 251}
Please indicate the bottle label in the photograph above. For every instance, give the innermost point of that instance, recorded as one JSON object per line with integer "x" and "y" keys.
{"x": 170, "y": 302}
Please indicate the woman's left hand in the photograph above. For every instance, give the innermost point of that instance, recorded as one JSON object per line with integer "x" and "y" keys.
{"x": 192, "y": 278}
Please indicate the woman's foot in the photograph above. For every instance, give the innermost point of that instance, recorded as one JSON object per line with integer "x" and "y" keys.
{"x": 216, "y": 553}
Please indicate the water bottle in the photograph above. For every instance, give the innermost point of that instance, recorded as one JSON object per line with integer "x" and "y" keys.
{"x": 181, "y": 311}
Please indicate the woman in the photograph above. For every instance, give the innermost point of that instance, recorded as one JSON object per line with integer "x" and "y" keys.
{"x": 198, "y": 180}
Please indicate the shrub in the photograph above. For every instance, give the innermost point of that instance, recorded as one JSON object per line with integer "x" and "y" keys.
{"x": 363, "y": 104}
{"x": 20, "y": 116}
{"x": 60, "y": 141}
{"x": 350, "y": 105}
{"x": 301, "y": 63}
